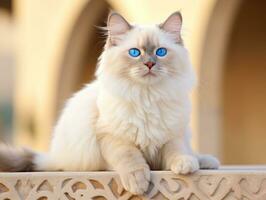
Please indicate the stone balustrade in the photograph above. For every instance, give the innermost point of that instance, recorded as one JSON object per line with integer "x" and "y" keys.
{"x": 227, "y": 183}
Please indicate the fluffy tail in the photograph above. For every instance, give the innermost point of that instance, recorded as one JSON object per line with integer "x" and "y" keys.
{"x": 16, "y": 159}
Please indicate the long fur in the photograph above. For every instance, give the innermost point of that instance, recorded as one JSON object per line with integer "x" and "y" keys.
{"x": 125, "y": 120}
{"x": 16, "y": 159}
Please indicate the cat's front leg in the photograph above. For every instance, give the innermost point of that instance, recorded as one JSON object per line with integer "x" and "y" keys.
{"x": 128, "y": 161}
{"x": 177, "y": 156}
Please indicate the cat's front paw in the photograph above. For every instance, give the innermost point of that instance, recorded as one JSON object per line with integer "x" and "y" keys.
{"x": 185, "y": 164}
{"x": 208, "y": 162}
{"x": 137, "y": 181}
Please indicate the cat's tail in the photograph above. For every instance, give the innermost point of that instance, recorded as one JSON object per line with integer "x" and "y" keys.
{"x": 16, "y": 159}
{"x": 21, "y": 160}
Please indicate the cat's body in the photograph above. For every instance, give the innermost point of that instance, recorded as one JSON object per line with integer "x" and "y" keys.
{"x": 132, "y": 117}
{"x": 148, "y": 123}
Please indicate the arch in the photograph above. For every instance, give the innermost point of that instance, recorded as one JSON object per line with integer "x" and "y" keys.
{"x": 210, "y": 76}
{"x": 82, "y": 50}
{"x": 244, "y": 87}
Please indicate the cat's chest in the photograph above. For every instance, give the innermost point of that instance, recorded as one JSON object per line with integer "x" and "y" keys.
{"x": 145, "y": 122}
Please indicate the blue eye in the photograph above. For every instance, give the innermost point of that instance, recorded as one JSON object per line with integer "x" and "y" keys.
{"x": 134, "y": 52}
{"x": 161, "y": 51}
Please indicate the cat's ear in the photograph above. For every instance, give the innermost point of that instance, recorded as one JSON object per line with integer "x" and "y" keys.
{"x": 173, "y": 25}
{"x": 117, "y": 26}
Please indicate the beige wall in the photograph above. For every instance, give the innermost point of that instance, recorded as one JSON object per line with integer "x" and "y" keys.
{"x": 44, "y": 28}
{"x": 244, "y": 88}
{"x": 209, "y": 93}
{"x": 224, "y": 122}
{"x": 49, "y": 51}
{"x": 7, "y": 65}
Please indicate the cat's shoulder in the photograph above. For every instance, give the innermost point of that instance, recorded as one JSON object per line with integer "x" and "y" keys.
{"x": 86, "y": 94}
{"x": 88, "y": 89}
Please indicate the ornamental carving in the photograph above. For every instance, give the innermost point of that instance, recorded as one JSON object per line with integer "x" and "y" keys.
{"x": 204, "y": 185}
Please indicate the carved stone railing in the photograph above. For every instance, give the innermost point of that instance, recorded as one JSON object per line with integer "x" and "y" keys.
{"x": 224, "y": 184}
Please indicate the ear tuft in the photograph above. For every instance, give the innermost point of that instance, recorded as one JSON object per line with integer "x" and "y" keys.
{"x": 117, "y": 26}
{"x": 173, "y": 25}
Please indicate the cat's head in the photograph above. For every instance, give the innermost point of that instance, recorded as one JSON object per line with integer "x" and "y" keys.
{"x": 144, "y": 54}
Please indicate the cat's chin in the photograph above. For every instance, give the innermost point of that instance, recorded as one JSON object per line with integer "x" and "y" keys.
{"x": 149, "y": 79}
{"x": 149, "y": 74}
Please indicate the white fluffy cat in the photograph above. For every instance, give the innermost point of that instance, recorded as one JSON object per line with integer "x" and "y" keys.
{"x": 134, "y": 117}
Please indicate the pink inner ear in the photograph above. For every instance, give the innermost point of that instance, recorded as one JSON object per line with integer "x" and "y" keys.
{"x": 173, "y": 25}
{"x": 117, "y": 25}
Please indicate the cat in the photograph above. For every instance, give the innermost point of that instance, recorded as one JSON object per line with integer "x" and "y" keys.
{"x": 134, "y": 117}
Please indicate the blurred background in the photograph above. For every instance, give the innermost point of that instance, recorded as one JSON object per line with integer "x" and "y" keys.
{"x": 49, "y": 49}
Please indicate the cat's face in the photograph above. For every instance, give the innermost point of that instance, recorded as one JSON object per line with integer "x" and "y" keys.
{"x": 144, "y": 54}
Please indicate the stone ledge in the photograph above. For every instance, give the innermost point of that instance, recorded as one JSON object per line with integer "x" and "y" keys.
{"x": 227, "y": 183}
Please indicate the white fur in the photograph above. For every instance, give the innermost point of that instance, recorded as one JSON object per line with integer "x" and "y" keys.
{"x": 151, "y": 115}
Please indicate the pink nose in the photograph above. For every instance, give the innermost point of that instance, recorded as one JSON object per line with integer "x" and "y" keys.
{"x": 149, "y": 64}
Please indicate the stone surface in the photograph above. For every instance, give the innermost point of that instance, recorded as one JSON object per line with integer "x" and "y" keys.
{"x": 237, "y": 183}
